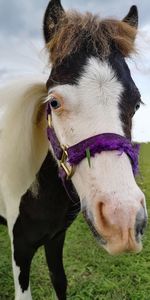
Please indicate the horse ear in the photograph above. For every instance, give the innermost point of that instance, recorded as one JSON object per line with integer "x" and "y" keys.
{"x": 132, "y": 17}
{"x": 53, "y": 14}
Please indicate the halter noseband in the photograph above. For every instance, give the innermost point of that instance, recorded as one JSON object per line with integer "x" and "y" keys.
{"x": 69, "y": 157}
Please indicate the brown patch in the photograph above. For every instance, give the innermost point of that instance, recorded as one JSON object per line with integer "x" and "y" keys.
{"x": 38, "y": 91}
{"x": 75, "y": 30}
{"x": 37, "y": 94}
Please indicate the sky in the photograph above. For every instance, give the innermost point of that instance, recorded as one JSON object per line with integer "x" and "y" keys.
{"x": 22, "y": 46}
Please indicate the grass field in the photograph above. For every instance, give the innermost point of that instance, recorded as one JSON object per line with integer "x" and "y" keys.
{"x": 92, "y": 273}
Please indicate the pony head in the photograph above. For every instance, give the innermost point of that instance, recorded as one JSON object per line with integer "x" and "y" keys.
{"x": 91, "y": 92}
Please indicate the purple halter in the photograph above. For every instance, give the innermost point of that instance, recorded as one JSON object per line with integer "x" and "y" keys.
{"x": 72, "y": 156}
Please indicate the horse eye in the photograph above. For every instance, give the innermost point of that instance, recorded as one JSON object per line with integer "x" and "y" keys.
{"x": 55, "y": 104}
{"x": 137, "y": 106}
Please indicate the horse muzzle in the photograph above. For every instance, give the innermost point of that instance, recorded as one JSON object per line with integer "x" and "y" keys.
{"x": 117, "y": 230}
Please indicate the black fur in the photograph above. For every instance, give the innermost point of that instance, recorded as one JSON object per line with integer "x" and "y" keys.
{"x": 132, "y": 17}
{"x": 51, "y": 18}
{"x": 69, "y": 71}
{"x": 3, "y": 221}
{"x": 130, "y": 96}
{"x": 43, "y": 220}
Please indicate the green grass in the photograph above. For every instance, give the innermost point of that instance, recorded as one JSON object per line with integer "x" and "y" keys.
{"x": 92, "y": 273}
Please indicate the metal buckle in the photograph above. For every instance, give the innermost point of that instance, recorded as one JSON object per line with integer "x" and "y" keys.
{"x": 49, "y": 120}
{"x": 69, "y": 170}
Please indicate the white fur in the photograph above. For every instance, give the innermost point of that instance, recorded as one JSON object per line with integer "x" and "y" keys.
{"x": 2, "y": 207}
{"x": 23, "y": 147}
{"x": 19, "y": 295}
{"x": 12, "y": 208}
{"x": 18, "y": 145}
{"x": 35, "y": 188}
{"x": 90, "y": 108}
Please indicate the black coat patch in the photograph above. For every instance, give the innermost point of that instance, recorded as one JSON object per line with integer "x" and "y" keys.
{"x": 41, "y": 217}
{"x": 3, "y": 221}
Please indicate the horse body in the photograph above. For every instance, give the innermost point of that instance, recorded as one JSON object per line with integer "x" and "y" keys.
{"x": 90, "y": 91}
{"x": 13, "y": 151}
{"x": 31, "y": 201}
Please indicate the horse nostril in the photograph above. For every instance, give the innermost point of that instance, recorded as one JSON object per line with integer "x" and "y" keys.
{"x": 141, "y": 221}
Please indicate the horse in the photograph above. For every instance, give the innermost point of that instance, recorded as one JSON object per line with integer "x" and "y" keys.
{"x": 66, "y": 145}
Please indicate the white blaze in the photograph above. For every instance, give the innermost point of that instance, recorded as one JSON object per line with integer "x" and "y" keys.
{"x": 90, "y": 108}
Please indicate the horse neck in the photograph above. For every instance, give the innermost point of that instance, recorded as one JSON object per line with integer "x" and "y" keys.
{"x": 23, "y": 143}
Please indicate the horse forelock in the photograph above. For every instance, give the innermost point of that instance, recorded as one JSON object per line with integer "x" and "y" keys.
{"x": 89, "y": 33}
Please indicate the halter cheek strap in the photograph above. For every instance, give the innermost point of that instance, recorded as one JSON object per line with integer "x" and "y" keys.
{"x": 60, "y": 151}
{"x": 69, "y": 157}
